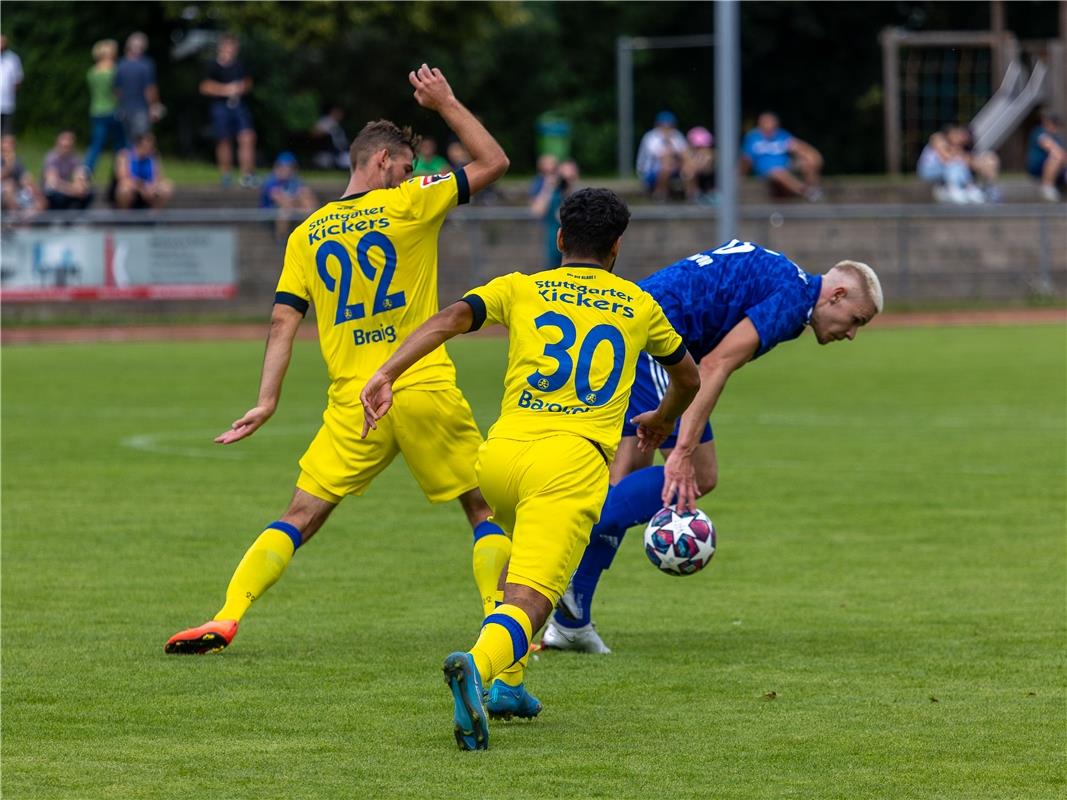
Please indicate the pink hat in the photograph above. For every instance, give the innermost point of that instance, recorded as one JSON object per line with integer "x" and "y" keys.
{"x": 700, "y": 137}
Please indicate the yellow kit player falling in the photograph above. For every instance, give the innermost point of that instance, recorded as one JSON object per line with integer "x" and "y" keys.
{"x": 368, "y": 263}
{"x": 574, "y": 337}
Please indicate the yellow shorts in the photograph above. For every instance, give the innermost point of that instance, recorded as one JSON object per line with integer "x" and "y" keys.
{"x": 433, "y": 429}
{"x": 546, "y": 494}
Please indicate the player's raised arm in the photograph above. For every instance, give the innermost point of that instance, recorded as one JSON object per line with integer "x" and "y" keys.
{"x": 377, "y": 395}
{"x": 488, "y": 159}
{"x": 284, "y": 322}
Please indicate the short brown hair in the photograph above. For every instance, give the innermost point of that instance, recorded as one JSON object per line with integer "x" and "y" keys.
{"x": 381, "y": 134}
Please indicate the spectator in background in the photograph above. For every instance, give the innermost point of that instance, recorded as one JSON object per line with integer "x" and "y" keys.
{"x": 698, "y": 169}
{"x": 10, "y": 78}
{"x": 66, "y": 182}
{"x": 457, "y": 154}
{"x": 1046, "y": 156}
{"x": 284, "y": 190}
{"x": 660, "y": 156}
{"x": 332, "y": 141}
{"x": 555, "y": 182}
{"x": 20, "y": 193}
{"x": 428, "y": 161}
{"x": 135, "y": 86}
{"x": 985, "y": 167}
{"x": 228, "y": 84}
{"x": 104, "y": 126}
{"x": 945, "y": 163}
{"x": 139, "y": 180}
{"x": 773, "y": 154}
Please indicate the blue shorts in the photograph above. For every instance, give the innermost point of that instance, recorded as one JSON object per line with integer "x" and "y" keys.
{"x": 227, "y": 121}
{"x": 761, "y": 165}
{"x": 651, "y": 177}
{"x": 650, "y": 384}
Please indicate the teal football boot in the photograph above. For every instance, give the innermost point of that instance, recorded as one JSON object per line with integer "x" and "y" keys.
{"x": 472, "y": 726}
{"x": 505, "y": 702}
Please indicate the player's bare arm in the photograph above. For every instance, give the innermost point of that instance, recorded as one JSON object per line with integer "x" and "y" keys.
{"x": 284, "y": 322}
{"x": 488, "y": 159}
{"x": 377, "y": 395}
{"x": 735, "y": 350}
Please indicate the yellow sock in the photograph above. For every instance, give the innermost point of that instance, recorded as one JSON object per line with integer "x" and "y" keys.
{"x": 262, "y": 565}
{"x": 492, "y": 549}
{"x": 516, "y": 673}
{"x": 505, "y": 639}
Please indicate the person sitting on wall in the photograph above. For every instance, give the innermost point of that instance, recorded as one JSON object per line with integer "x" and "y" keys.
{"x": 775, "y": 155}
{"x": 1046, "y": 156}
{"x": 66, "y": 181}
{"x": 139, "y": 181}
{"x": 284, "y": 190}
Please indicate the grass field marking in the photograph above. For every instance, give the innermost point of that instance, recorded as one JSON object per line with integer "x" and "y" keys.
{"x": 157, "y": 443}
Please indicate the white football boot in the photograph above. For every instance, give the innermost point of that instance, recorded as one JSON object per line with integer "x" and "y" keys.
{"x": 582, "y": 640}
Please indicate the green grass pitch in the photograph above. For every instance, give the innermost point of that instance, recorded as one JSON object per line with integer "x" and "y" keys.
{"x": 885, "y": 617}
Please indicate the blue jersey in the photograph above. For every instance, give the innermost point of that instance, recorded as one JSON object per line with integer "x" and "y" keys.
{"x": 767, "y": 152}
{"x": 706, "y": 295}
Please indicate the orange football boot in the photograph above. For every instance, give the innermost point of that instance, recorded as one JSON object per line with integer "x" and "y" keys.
{"x": 211, "y": 637}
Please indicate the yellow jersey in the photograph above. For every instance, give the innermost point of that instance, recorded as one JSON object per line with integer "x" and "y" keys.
{"x": 368, "y": 262}
{"x": 575, "y": 333}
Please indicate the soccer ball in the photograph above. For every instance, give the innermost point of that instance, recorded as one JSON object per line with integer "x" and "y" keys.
{"x": 680, "y": 543}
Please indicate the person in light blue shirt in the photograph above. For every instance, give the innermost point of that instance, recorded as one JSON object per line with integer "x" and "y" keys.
{"x": 731, "y": 305}
{"x": 774, "y": 154}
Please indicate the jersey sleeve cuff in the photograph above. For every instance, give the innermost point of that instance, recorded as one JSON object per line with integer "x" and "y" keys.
{"x": 673, "y": 358}
{"x": 292, "y": 300}
{"x": 463, "y": 187}
{"x": 478, "y": 309}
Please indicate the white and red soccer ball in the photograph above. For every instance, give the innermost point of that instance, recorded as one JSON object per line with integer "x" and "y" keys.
{"x": 680, "y": 543}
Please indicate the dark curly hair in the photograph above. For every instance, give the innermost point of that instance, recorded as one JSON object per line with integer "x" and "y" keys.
{"x": 591, "y": 220}
{"x": 380, "y": 135}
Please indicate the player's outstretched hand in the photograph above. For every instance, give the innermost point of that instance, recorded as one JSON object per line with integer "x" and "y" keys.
{"x": 680, "y": 480}
{"x": 652, "y": 430}
{"x": 431, "y": 88}
{"x": 245, "y": 426}
{"x": 377, "y": 399}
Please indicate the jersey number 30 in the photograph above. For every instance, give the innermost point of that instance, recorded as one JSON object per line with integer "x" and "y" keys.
{"x": 560, "y": 353}
{"x": 383, "y": 299}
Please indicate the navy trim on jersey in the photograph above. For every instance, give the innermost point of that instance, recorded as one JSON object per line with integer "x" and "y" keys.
{"x": 478, "y": 309}
{"x": 590, "y": 264}
{"x": 673, "y": 358}
{"x": 600, "y": 450}
{"x": 355, "y": 196}
{"x": 293, "y": 300}
{"x": 463, "y": 187}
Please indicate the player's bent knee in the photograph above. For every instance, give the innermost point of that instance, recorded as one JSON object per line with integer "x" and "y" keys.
{"x": 535, "y": 604}
{"x": 705, "y": 483}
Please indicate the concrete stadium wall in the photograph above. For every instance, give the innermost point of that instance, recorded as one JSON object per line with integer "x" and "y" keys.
{"x": 923, "y": 258}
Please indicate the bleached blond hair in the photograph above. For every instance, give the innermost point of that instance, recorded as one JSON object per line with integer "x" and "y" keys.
{"x": 867, "y": 279}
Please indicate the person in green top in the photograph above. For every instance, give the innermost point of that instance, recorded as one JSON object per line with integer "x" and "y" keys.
{"x": 104, "y": 126}
{"x": 428, "y": 161}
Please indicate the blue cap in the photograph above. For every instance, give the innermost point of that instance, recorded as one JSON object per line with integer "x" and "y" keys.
{"x": 285, "y": 157}
{"x": 665, "y": 118}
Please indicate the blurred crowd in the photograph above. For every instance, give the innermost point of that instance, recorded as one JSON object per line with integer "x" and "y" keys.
{"x": 124, "y": 105}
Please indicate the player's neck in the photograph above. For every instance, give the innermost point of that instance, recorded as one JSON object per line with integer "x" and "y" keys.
{"x": 361, "y": 182}
{"x": 580, "y": 261}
